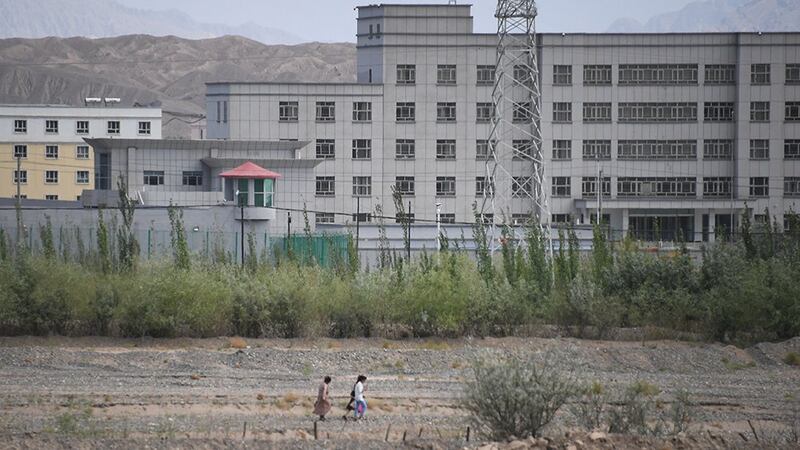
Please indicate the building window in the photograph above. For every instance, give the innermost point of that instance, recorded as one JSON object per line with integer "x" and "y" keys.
{"x": 760, "y": 74}
{"x": 446, "y": 74}
{"x": 596, "y": 150}
{"x": 20, "y": 126}
{"x": 657, "y": 74}
{"x": 482, "y": 150}
{"x": 521, "y": 187}
{"x": 82, "y": 127}
{"x": 20, "y": 151}
{"x": 326, "y": 186}
{"x": 406, "y": 74}
{"x": 406, "y": 112}
{"x": 445, "y": 186}
{"x": 720, "y": 74}
{"x": 404, "y": 218}
{"x": 523, "y": 75}
{"x": 326, "y": 111}
{"x": 192, "y": 178}
{"x": 484, "y": 218}
{"x": 793, "y": 74}
{"x": 82, "y": 177}
{"x": 791, "y": 187}
{"x": 562, "y": 75}
{"x": 144, "y": 128}
{"x": 561, "y": 219}
{"x": 486, "y": 75}
{"x": 562, "y": 150}
{"x": 51, "y": 197}
{"x": 51, "y": 126}
{"x": 791, "y": 149}
{"x": 484, "y": 112}
{"x": 446, "y": 149}
{"x": 657, "y": 112}
{"x": 483, "y": 187}
{"x": 445, "y": 112}
{"x": 404, "y": 185}
{"x": 113, "y": 127}
{"x": 716, "y": 186}
{"x": 288, "y": 111}
{"x": 447, "y": 218}
{"x": 51, "y": 152}
{"x": 657, "y": 149}
{"x": 153, "y": 177}
{"x": 522, "y": 149}
{"x": 362, "y": 111}
{"x": 718, "y": 149}
{"x": 597, "y": 112}
{"x": 718, "y": 112}
{"x": 759, "y": 111}
{"x": 562, "y": 187}
{"x": 759, "y": 148}
{"x": 656, "y": 187}
{"x": 597, "y": 75}
{"x": 523, "y": 112}
{"x": 792, "y": 111}
{"x": 82, "y": 152}
{"x": 362, "y": 217}
{"x": 362, "y": 148}
{"x": 51, "y": 176}
{"x": 759, "y": 187}
{"x": 562, "y": 112}
{"x": 362, "y": 186}
{"x": 326, "y": 149}
{"x": 520, "y": 219}
{"x": 405, "y": 149}
{"x": 21, "y": 177}
{"x": 589, "y": 187}
{"x": 324, "y": 218}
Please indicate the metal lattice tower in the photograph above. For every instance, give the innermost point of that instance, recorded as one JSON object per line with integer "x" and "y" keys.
{"x": 515, "y": 168}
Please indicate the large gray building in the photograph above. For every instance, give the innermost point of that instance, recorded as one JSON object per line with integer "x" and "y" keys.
{"x": 687, "y": 129}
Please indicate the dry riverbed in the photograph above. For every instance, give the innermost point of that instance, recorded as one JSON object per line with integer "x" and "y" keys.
{"x": 113, "y": 393}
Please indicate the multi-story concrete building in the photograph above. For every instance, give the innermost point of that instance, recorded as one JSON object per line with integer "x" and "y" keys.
{"x": 47, "y": 141}
{"x": 687, "y": 129}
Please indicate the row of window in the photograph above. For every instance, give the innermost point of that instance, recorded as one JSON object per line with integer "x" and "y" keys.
{"x": 51, "y": 151}
{"x": 406, "y": 149}
{"x": 188, "y": 178}
{"x": 670, "y": 112}
{"x": 50, "y": 177}
{"x": 629, "y": 74}
{"x": 562, "y": 186}
{"x": 113, "y": 127}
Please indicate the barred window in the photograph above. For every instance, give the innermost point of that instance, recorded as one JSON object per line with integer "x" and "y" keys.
{"x": 447, "y": 218}
{"x": 653, "y": 149}
{"x": 562, "y": 187}
{"x": 82, "y": 127}
{"x": 362, "y": 217}
{"x": 521, "y": 186}
{"x": 288, "y": 111}
{"x": 589, "y": 187}
{"x": 405, "y": 149}
{"x": 362, "y": 186}
{"x": 82, "y": 152}
{"x": 597, "y": 75}
{"x": 759, "y": 148}
{"x": 404, "y": 217}
{"x": 597, "y": 112}
{"x": 718, "y": 149}
{"x": 20, "y": 151}
{"x": 562, "y": 149}
{"x": 362, "y": 148}
{"x": 192, "y": 178}
{"x": 406, "y": 112}
{"x": 720, "y": 74}
{"x": 144, "y": 128}
{"x": 562, "y": 75}
{"x": 406, "y": 74}
{"x": 51, "y": 152}
{"x": 791, "y": 187}
{"x": 51, "y": 126}
{"x": 82, "y": 177}
{"x": 718, "y": 111}
{"x": 522, "y": 75}
{"x": 523, "y": 112}
{"x": 483, "y": 187}
{"x": 326, "y": 111}
{"x": 445, "y": 186}
{"x": 522, "y": 148}
{"x": 153, "y": 177}
{"x": 482, "y": 150}
{"x": 791, "y": 149}
{"x": 51, "y": 197}
{"x": 717, "y": 186}
{"x": 446, "y": 74}
{"x": 362, "y": 111}
{"x": 326, "y": 149}
{"x": 656, "y": 187}
{"x": 486, "y": 75}
{"x": 759, "y": 187}
{"x": 484, "y": 112}
{"x": 51, "y": 176}
{"x": 404, "y": 185}
{"x": 326, "y": 186}
{"x": 445, "y": 149}
{"x": 520, "y": 219}
{"x": 561, "y": 219}
{"x": 793, "y": 74}
{"x": 20, "y": 126}
{"x": 324, "y": 217}
{"x": 792, "y": 111}
{"x": 657, "y": 112}
{"x": 657, "y": 74}
{"x": 446, "y": 112}
{"x": 562, "y": 112}
{"x": 759, "y": 111}
{"x": 759, "y": 74}
{"x": 21, "y": 177}
{"x": 597, "y": 150}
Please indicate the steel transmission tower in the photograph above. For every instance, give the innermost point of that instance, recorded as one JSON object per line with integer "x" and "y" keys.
{"x": 515, "y": 168}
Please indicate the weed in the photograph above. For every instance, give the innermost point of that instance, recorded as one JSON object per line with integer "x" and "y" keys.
{"x": 237, "y": 342}
{"x": 735, "y": 365}
{"x": 792, "y": 359}
{"x": 589, "y": 410}
{"x": 307, "y": 370}
{"x": 435, "y": 345}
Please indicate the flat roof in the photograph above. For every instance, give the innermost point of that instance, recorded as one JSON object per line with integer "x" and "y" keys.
{"x": 414, "y": 5}
{"x": 194, "y": 144}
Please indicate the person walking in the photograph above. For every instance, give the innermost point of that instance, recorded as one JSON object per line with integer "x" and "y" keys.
{"x": 361, "y": 402}
{"x": 323, "y": 404}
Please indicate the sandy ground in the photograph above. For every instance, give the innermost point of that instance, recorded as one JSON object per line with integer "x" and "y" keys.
{"x": 112, "y": 393}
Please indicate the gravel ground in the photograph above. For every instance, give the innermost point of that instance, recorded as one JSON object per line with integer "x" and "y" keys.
{"x": 92, "y": 392}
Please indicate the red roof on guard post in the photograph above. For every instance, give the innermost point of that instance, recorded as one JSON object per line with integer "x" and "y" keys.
{"x": 250, "y": 170}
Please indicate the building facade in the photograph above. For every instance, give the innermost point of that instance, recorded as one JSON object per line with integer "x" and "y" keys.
{"x": 55, "y": 163}
{"x": 678, "y": 133}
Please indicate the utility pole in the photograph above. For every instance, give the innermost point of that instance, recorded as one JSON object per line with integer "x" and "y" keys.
{"x": 408, "y": 222}
{"x": 438, "y": 227}
{"x": 288, "y": 229}
{"x": 599, "y": 194}
{"x": 19, "y": 198}
{"x": 241, "y": 222}
{"x": 358, "y": 220}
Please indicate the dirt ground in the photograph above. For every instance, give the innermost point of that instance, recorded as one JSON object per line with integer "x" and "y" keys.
{"x": 112, "y": 393}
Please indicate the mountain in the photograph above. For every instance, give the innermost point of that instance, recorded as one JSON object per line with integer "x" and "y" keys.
{"x": 108, "y": 18}
{"x": 720, "y": 16}
{"x": 147, "y": 69}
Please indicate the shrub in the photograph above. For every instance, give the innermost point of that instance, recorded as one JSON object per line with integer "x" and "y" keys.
{"x": 635, "y": 411}
{"x": 590, "y": 410}
{"x": 792, "y": 359}
{"x": 516, "y": 398}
